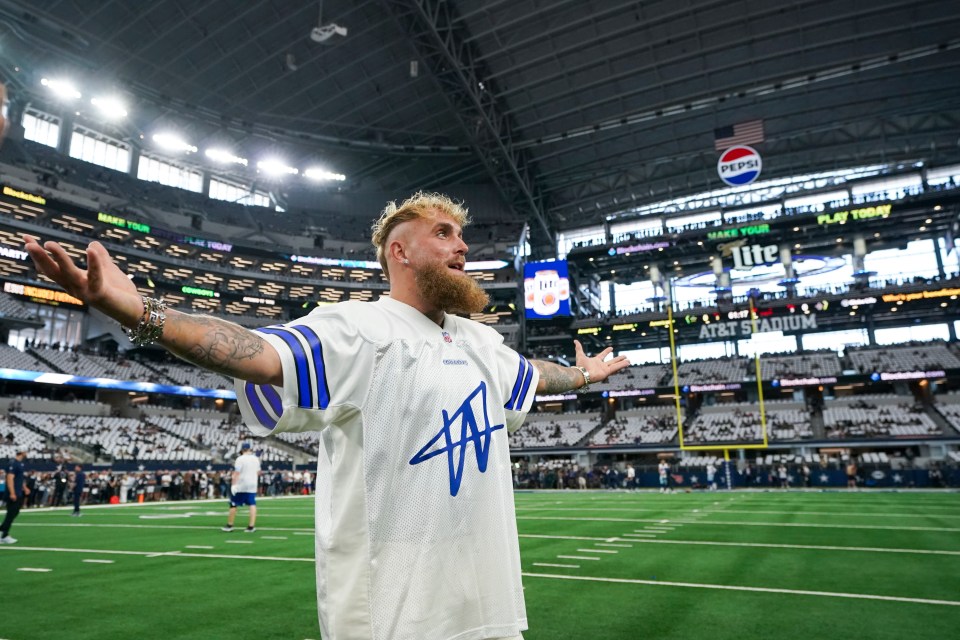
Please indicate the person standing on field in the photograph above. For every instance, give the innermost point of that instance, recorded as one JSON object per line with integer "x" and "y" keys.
{"x": 243, "y": 487}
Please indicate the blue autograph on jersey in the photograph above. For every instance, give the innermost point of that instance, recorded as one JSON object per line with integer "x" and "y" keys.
{"x": 470, "y": 431}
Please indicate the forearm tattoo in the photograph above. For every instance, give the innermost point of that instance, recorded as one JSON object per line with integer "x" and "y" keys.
{"x": 557, "y": 379}
{"x": 217, "y": 345}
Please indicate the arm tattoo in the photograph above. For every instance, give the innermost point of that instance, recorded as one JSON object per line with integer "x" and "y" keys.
{"x": 218, "y": 345}
{"x": 556, "y": 379}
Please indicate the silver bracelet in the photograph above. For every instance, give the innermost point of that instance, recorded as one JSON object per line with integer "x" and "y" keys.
{"x": 586, "y": 378}
{"x": 150, "y": 327}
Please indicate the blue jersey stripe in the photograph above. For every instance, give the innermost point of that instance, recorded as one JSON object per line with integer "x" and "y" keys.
{"x": 516, "y": 385}
{"x": 323, "y": 390}
{"x": 526, "y": 385}
{"x": 304, "y": 382}
{"x": 250, "y": 390}
{"x": 273, "y": 398}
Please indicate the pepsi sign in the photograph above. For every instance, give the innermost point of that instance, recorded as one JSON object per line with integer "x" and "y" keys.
{"x": 739, "y": 165}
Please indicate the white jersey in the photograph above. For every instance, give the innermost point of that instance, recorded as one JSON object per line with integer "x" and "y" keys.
{"x": 248, "y": 466}
{"x": 416, "y": 531}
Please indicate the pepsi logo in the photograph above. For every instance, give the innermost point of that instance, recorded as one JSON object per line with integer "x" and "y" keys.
{"x": 739, "y": 165}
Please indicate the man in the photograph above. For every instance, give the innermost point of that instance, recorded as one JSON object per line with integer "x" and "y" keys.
{"x": 852, "y": 475}
{"x": 17, "y": 491}
{"x": 79, "y": 482}
{"x": 663, "y": 471}
{"x": 416, "y": 529}
{"x": 243, "y": 487}
{"x": 60, "y": 480}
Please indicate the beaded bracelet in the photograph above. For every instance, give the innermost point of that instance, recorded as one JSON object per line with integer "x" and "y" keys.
{"x": 150, "y": 327}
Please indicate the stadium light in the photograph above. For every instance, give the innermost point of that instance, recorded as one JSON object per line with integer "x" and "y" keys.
{"x": 316, "y": 173}
{"x": 110, "y": 107}
{"x": 219, "y": 155}
{"x": 276, "y": 168}
{"x": 172, "y": 142}
{"x": 62, "y": 88}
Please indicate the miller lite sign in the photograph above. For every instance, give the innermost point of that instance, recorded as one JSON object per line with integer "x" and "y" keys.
{"x": 739, "y": 165}
{"x": 748, "y": 256}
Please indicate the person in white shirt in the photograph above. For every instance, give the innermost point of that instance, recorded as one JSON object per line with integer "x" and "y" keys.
{"x": 416, "y": 535}
{"x": 243, "y": 487}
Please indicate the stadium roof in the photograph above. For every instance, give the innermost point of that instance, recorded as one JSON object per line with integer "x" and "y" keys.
{"x": 574, "y": 109}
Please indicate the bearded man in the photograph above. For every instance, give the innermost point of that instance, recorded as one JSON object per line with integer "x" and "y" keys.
{"x": 416, "y": 533}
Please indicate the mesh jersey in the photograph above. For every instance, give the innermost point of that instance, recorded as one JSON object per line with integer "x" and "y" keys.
{"x": 248, "y": 466}
{"x": 416, "y": 530}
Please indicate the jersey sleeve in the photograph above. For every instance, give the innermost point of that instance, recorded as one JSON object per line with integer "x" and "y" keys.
{"x": 518, "y": 379}
{"x": 326, "y": 363}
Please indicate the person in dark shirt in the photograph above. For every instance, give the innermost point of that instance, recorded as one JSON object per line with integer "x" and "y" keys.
{"x": 59, "y": 486}
{"x": 79, "y": 482}
{"x": 16, "y": 492}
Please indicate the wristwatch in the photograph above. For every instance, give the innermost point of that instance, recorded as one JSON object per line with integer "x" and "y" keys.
{"x": 586, "y": 378}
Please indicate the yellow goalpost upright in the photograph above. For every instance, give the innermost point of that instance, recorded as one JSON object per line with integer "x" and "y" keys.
{"x": 676, "y": 396}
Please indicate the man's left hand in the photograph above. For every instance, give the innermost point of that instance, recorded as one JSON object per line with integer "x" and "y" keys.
{"x": 599, "y": 368}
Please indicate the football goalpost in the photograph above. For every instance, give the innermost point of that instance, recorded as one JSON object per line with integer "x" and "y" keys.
{"x": 719, "y": 445}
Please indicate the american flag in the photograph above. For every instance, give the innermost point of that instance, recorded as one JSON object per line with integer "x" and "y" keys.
{"x": 744, "y": 133}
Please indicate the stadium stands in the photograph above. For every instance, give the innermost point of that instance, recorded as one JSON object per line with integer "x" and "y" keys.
{"x": 635, "y": 377}
{"x": 653, "y": 425}
{"x": 78, "y": 363}
{"x": 727, "y": 369}
{"x": 553, "y": 431}
{"x": 12, "y": 358}
{"x": 119, "y": 438}
{"x": 216, "y": 434}
{"x": 949, "y": 407}
{"x": 916, "y": 357}
{"x": 861, "y": 419}
{"x": 731, "y": 423}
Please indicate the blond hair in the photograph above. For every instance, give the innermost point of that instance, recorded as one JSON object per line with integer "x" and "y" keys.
{"x": 419, "y": 205}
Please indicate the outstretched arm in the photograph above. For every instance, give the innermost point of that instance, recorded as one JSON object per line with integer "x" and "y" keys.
{"x": 557, "y": 379}
{"x": 212, "y": 343}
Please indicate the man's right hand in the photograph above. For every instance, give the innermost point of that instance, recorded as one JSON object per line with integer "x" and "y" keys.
{"x": 102, "y": 284}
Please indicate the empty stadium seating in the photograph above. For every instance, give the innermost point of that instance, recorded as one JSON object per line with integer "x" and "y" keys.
{"x": 927, "y": 357}
{"x": 553, "y": 431}
{"x": 656, "y": 425}
{"x": 860, "y": 419}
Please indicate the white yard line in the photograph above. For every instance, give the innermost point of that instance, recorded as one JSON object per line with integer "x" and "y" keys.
{"x": 597, "y": 551}
{"x": 90, "y": 525}
{"x": 96, "y": 561}
{"x": 578, "y": 558}
{"x": 749, "y": 524}
{"x": 156, "y": 554}
{"x": 813, "y": 547}
{"x": 614, "y": 544}
{"x": 726, "y": 587}
{"x": 798, "y": 512}
{"x": 34, "y": 570}
{"x": 550, "y": 564}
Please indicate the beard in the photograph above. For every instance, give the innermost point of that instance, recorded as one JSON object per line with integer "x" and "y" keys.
{"x": 451, "y": 293}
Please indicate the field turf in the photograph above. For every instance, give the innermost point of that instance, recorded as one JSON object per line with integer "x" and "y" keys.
{"x": 604, "y": 565}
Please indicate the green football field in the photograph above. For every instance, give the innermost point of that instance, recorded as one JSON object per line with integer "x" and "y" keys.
{"x": 596, "y": 565}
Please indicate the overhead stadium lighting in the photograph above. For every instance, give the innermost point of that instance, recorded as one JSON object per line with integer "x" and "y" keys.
{"x": 276, "y": 168}
{"x": 322, "y": 174}
{"x": 110, "y": 107}
{"x": 219, "y": 155}
{"x": 62, "y": 88}
{"x": 172, "y": 142}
